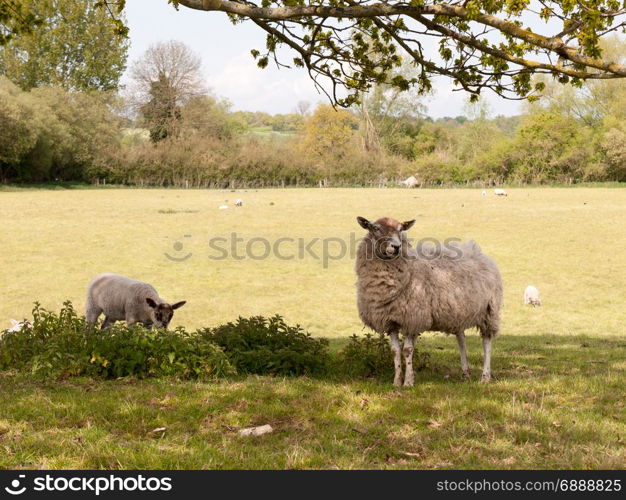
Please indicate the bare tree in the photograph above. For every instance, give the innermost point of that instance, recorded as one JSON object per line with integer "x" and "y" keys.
{"x": 165, "y": 78}
{"x": 302, "y": 108}
{"x": 173, "y": 64}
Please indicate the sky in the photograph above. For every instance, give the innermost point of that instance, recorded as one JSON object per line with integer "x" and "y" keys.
{"x": 231, "y": 72}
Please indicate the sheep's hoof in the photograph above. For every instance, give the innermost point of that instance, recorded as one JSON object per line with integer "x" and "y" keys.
{"x": 485, "y": 378}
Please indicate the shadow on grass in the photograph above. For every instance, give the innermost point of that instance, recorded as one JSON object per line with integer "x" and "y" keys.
{"x": 555, "y": 402}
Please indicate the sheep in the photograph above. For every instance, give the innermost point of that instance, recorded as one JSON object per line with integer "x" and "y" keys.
{"x": 500, "y": 192}
{"x": 124, "y": 299}
{"x": 409, "y": 182}
{"x": 484, "y": 193}
{"x": 238, "y": 202}
{"x": 17, "y": 326}
{"x": 531, "y": 296}
{"x": 401, "y": 289}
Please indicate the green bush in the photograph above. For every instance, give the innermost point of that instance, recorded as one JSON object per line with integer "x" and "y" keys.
{"x": 64, "y": 345}
{"x": 269, "y": 346}
{"x": 370, "y": 356}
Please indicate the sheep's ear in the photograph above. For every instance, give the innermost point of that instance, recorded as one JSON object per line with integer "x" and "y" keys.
{"x": 151, "y": 303}
{"x": 179, "y": 304}
{"x": 364, "y": 223}
{"x": 408, "y": 225}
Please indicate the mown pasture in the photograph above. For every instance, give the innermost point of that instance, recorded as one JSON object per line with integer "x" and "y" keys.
{"x": 557, "y": 398}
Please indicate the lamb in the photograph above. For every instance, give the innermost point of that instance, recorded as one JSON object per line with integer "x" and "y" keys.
{"x": 500, "y": 192}
{"x": 401, "y": 289}
{"x": 17, "y": 326}
{"x": 531, "y": 296}
{"x": 125, "y": 299}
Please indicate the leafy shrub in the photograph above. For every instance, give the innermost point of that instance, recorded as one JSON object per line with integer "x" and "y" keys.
{"x": 269, "y": 346}
{"x": 370, "y": 356}
{"x": 65, "y": 345}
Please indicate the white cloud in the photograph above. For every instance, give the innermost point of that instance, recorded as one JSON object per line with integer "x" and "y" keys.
{"x": 274, "y": 90}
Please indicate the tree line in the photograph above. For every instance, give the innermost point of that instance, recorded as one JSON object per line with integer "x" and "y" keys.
{"x": 62, "y": 117}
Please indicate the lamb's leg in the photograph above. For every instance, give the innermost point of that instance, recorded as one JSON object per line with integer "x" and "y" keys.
{"x": 486, "y": 359}
{"x": 107, "y": 321}
{"x": 407, "y": 349}
{"x": 397, "y": 358}
{"x": 460, "y": 338}
{"x": 92, "y": 312}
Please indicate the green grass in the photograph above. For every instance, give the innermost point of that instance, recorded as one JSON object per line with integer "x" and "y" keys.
{"x": 557, "y": 399}
{"x": 555, "y": 404}
{"x": 567, "y": 242}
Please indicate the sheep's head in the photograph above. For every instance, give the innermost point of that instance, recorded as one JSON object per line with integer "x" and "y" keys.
{"x": 162, "y": 313}
{"x": 387, "y": 235}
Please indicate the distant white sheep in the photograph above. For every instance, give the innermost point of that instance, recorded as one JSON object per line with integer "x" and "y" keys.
{"x": 16, "y": 325}
{"x": 531, "y": 296}
{"x": 410, "y": 182}
{"x": 125, "y": 299}
{"x": 500, "y": 192}
{"x": 484, "y": 193}
{"x": 238, "y": 202}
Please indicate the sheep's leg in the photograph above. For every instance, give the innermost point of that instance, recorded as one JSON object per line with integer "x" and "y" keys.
{"x": 486, "y": 359}
{"x": 397, "y": 358}
{"x": 407, "y": 349}
{"x": 460, "y": 338}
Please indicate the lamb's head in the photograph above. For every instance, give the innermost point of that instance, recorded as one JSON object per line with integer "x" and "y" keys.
{"x": 387, "y": 236}
{"x": 161, "y": 314}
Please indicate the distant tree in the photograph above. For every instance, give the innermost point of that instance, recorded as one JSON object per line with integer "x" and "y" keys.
{"x": 50, "y": 133}
{"x": 328, "y": 131}
{"x": 208, "y": 116}
{"x": 302, "y": 108}
{"x": 165, "y": 78}
{"x": 73, "y": 45}
{"x": 550, "y": 147}
{"x": 162, "y": 112}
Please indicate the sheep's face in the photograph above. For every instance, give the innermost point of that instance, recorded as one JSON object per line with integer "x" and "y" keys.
{"x": 163, "y": 313}
{"x": 387, "y": 235}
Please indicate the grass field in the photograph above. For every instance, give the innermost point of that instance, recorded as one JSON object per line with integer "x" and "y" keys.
{"x": 560, "y": 370}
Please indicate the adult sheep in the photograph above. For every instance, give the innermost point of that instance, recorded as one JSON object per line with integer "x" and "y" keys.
{"x": 124, "y": 299}
{"x": 408, "y": 290}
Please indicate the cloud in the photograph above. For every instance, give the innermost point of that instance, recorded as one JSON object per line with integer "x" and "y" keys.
{"x": 271, "y": 89}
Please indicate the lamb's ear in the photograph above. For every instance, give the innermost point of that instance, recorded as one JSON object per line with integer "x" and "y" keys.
{"x": 179, "y": 304}
{"x": 364, "y": 223}
{"x": 408, "y": 225}
{"x": 151, "y": 303}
